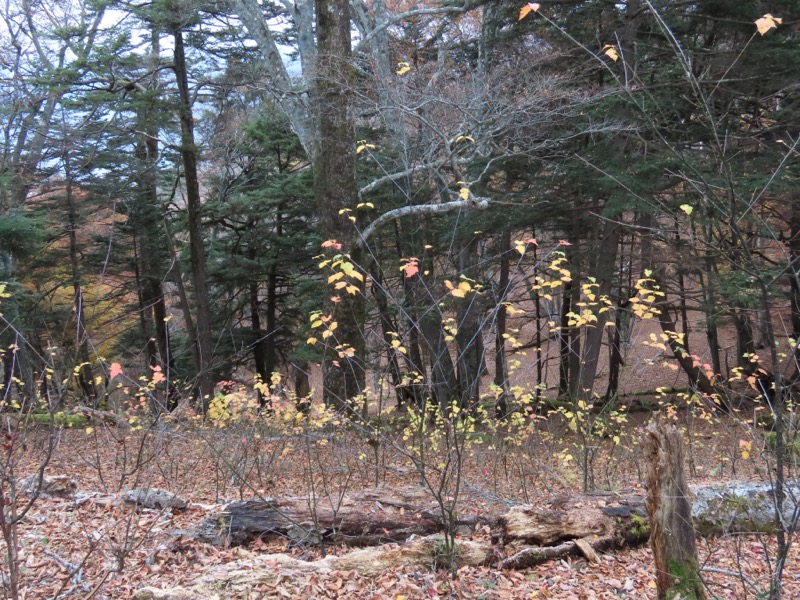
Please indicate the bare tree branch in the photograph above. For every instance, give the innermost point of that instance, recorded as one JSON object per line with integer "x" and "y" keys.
{"x": 474, "y": 202}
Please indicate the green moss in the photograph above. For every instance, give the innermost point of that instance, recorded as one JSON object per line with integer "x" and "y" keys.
{"x": 444, "y": 555}
{"x": 792, "y": 445}
{"x": 686, "y": 583}
{"x": 640, "y": 526}
{"x": 60, "y": 419}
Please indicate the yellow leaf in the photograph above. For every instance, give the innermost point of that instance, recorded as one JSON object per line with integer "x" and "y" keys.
{"x": 688, "y": 209}
{"x": 767, "y": 22}
{"x": 611, "y": 52}
{"x": 464, "y": 193}
{"x": 465, "y": 138}
{"x": 520, "y": 247}
{"x": 335, "y": 277}
{"x": 403, "y": 68}
{"x": 352, "y": 290}
{"x": 89, "y": 430}
{"x": 527, "y": 9}
{"x": 458, "y": 293}
{"x": 316, "y": 324}
{"x": 362, "y": 145}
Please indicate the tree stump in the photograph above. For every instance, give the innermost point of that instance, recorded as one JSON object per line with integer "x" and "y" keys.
{"x": 672, "y": 535}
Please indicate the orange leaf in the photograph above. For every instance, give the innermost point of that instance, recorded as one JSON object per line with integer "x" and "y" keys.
{"x": 158, "y": 376}
{"x": 332, "y": 244}
{"x": 527, "y": 9}
{"x": 411, "y": 268}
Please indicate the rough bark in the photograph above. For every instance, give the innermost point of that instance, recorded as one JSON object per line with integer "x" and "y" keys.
{"x": 335, "y": 192}
{"x": 605, "y": 267}
{"x": 603, "y": 519}
{"x": 469, "y": 337}
{"x": 361, "y": 519}
{"x": 205, "y": 382}
{"x": 672, "y": 535}
{"x": 84, "y": 368}
{"x": 524, "y": 536}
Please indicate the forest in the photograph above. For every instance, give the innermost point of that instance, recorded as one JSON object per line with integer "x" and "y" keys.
{"x": 281, "y": 278}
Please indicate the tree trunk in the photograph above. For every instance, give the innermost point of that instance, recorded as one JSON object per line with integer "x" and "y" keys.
{"x": 84, "y": 366}
{"x": 696, "y": 376}
{"x": 500, "y": 361}
{"x": 335, "y": 190}
{"x": 469, "y": 362}
{"x": 388, "y": 332}
{"x": 604, "y": 274}
{"x": 564, "y": 340}
{"x": 146, "y": 219}
{"x": 672, "y": 536}
{"x": 205, "y": 381}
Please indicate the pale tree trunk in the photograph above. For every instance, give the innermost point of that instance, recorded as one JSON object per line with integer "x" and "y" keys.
{"x": 672, "y": 536}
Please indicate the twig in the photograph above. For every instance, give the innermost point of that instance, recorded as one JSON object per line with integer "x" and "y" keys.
{"x": 740, "y": 576}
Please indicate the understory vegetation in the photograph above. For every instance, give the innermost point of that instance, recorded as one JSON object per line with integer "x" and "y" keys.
{"x": 254, "y": 250}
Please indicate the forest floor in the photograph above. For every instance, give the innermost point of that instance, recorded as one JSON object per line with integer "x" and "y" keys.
{"x": 117, "y": 550}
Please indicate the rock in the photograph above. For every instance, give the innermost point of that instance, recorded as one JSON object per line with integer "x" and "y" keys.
{"x": 155, "y": 498}
{"x": 52, "y": 486}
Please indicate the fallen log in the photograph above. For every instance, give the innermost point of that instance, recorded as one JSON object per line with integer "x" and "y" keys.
{"x": 240, "y": 578}
{"x": 525, "y": 535}
{"x": 366, "y": 518}
{"x": 530, "y": 535}
{"x": 577, "y": 524}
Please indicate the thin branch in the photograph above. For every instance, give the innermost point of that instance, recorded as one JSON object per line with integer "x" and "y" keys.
{"x": 474, "y": 202}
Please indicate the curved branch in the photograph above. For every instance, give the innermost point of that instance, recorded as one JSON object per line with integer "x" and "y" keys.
{"x": 474, "y": 202}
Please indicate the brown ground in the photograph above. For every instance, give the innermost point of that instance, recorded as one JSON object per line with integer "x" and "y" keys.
{"x": 121, "y": 550}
